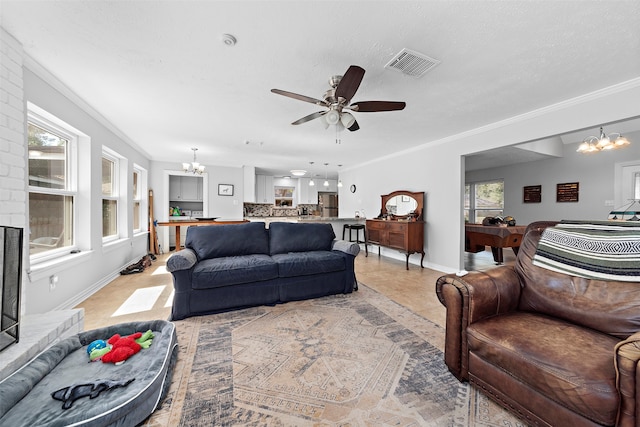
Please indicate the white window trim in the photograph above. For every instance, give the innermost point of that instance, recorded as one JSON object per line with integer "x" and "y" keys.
{"x": 48, "y": 121}
{"x": 144, "y": 204}
{"x": 117, "y": 196}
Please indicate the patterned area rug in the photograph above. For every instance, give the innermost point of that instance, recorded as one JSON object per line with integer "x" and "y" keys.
{"x": 344, "y": 360}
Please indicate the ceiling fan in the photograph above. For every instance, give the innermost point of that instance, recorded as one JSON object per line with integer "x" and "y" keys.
{"x": 337, "y": 99}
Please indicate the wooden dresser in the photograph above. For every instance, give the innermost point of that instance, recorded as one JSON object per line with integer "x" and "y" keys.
{"x": 399, "y": 225}
{"x": 406, "y": 236}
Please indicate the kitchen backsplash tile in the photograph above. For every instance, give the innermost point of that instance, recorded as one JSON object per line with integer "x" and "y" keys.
{"x": 261, "y": 209}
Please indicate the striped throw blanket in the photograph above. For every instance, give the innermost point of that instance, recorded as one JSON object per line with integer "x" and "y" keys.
{"x": 605, "y": 250}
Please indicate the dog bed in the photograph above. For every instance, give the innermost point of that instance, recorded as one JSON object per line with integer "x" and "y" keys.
{"x": 124, "y": 394}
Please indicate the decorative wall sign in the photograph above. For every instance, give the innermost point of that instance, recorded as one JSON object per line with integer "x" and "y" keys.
{"x": 532, "y": 194}
{"x": 225, "y": 190}
{"x": 567, "y": 192}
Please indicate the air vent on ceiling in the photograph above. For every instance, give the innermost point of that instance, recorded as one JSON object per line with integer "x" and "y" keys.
{"x": 412, "y": 63}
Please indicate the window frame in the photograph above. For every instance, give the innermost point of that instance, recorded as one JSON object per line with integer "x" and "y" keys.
{"x": 141, "y": 200}
{"x": 50, "y": 123}
{"x": 111, "y": 156}
{"x": 470, "y": 212}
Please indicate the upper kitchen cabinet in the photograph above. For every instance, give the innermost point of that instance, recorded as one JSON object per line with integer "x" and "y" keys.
{"x": 185, "y": 188}
{"x": 307, "y": 194}
{"x": 264, "y": 189}
{"x": 249, "y": 178}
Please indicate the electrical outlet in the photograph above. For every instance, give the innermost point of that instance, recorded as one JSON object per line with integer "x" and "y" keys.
{"x": 608, "y": 202}
{"x": 53, "y": 281}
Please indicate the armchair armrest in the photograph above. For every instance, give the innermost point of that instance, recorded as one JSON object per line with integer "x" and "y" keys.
{"x": 627, "y": 362}
{"x": 350, "y": 248}
{"x": 470, "y": 298}
{"x": 184, "y": 259}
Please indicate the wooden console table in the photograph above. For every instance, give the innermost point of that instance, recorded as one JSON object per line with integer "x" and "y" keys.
{"x": 187, "y": 223}
{"x": 400, "y": 224}
{"x": 477, "y": 236}
{"x": 406, "y": 236}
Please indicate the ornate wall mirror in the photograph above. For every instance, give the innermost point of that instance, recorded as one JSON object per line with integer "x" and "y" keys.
{"x": 402, "y": 205}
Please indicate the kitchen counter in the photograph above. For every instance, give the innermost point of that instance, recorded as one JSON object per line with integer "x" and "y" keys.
{"x": 336, "y": 222}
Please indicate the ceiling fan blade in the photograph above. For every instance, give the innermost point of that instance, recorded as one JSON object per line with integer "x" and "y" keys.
{"x": 309, "y": 117}
{"x": 354, "y": 127}
{"x": 373, "y": 106}
{"x": 350, "y": 82}
{"x": 298, "y": 97}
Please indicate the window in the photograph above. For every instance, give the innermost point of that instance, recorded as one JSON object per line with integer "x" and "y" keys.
{"x": 109, "y": 196}
{"x": 136, "y": 201}
{"x": 52, "y": 185}
{"x": 483, "y": 199}
{"x": 139, "y": 211}
{"x": 284, "y": 196}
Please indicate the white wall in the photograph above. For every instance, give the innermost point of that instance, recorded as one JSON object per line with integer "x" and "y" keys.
{"x": 594, "y": 172}
{"x": 437, "y": 168}
{"x": 82, "y": 274}
{"x": 13, "y": 170}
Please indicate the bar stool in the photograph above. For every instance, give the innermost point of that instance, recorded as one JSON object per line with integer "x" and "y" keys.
{"x": 357, "y": 228}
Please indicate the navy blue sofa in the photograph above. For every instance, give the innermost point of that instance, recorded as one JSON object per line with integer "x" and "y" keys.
{"x": 225, "y": 267}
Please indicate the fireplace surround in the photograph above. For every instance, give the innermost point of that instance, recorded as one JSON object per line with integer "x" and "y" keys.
{"x": 10, "y": 284}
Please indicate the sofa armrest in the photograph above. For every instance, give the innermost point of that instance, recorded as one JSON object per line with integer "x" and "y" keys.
{"x": 627, "y": 362}
{"x": 350, "y": 248}
{"x": 470, "y": 298}
{"x": 184, "y": 259}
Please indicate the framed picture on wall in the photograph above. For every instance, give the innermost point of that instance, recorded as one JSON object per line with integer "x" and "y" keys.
{"x": 567, "y": 192}
{"x": 532, "y": 194}
{"x": 225, "y": 190}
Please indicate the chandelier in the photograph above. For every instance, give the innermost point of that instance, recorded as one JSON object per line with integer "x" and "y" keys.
{"x": 193, "y": 167}
{"x": 603, "y": 142}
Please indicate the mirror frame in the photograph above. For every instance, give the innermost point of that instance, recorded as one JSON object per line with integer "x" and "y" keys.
{"x": 418, "y": 196}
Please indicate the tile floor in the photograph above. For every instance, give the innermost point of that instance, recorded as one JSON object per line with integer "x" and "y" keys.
{"x": 148, "y": 295}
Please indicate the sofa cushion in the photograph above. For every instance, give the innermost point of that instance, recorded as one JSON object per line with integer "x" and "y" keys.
{"x": 568, "y": 364}
{"x": 306, "y": 263}
{"x": 215, "y": 241}
{"x": 234, "y": 270}
{"x": 287, "y": 237}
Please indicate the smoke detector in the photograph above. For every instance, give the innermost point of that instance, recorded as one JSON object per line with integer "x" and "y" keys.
{"x": 412, "y": 63}
{"x": 229, "y": 40}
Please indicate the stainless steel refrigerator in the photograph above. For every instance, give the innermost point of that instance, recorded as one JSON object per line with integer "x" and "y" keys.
{"x": 328, "y": 204}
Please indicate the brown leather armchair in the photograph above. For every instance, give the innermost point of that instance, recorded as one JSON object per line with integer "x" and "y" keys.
{"x": 558, "y": 350}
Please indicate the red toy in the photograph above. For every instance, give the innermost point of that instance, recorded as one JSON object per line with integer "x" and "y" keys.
{"x": 122, "y": 348}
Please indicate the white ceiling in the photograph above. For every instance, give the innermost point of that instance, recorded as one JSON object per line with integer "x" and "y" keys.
{"x": 159, "y": 72}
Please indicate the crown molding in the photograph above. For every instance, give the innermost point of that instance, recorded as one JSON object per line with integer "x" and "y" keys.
{"x": 571, "y": 102}
{"x": 46, "y": 75}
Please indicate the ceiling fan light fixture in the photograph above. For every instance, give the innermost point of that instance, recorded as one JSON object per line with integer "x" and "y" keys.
{"x": 332, "y": 117}
{"x": 347, "y": 119}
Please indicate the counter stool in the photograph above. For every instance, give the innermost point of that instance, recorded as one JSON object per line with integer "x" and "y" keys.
{"x": 357, "y": 228}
